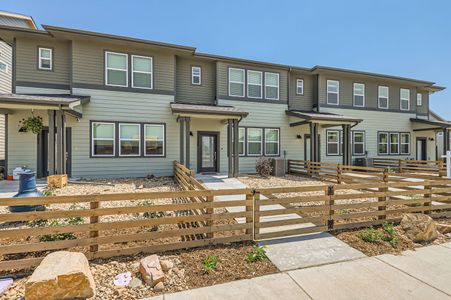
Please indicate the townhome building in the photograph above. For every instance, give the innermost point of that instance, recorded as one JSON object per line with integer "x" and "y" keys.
{"x": 115, "y": 106}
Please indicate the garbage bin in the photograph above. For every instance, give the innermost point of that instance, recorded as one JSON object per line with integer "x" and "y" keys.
{"x": 27, "y": 189}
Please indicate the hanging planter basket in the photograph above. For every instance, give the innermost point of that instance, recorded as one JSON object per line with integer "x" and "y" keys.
{"x": 31, "y": 124}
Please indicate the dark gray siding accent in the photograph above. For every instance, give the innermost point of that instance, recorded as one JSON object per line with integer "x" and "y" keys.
{"x": 423, "y": 109}
{"x": 304, "y": 101}
{"x": 188, "y": 93}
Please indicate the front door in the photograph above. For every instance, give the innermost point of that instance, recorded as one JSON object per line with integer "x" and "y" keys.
{"x": 207, "y": 152}
{"x": 421, "y": 149}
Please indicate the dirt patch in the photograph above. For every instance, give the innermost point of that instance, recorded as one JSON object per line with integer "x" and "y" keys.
{"x": 186, "y": 274}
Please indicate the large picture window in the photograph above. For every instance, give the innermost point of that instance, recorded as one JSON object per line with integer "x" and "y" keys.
{"x": 358, "y": 143}
{"x": 393, "y": 143}
{"x": 359, "y": 94}
{"x": 382, "y": 101}
{"x": 272, "y": 86}
{"x": 154, "y": 139}
{"x": 254, "y": 141}
{"x": 236, "y": 82}
{"x": 103, "y": 139}
{"x": 142, "y": 67}
{"x": 254, "y": 84}
{"x": 116, "y": 69}
{"x": 404, "y": 99}
{"x": 129, "y": 139}
{"x": 271, "y": 141}
{"x": 333, "y": 92}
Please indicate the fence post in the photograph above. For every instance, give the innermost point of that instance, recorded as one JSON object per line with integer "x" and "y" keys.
{"x": 210, "y": 212}
{"x": 249, "y": 208}
{"x": 309, "y": 170}
{"x": 256, "y": 214}
{"x": 428, "y": 204}
{"x": 339, "y": 171}
{"x": 94, "y": 233}
{"x": 331, "y": 192}
{"x": 400, "y": 166}
{"x": 383, "y": 199}
{"x": 440, "y": 168}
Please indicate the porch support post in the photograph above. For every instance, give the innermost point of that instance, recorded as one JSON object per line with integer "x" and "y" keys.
{"x": 182, "y": 140}
{"x": 187, "y": 141}
{"x": 314, "y": 142}
{"x": 229, "y": 147}
{"x": 236, "y": 156}
{"x": 60, "y": 149}
{"x": 347, "y": 151}
{"x": 51, "y": 143}
{"x": 445, "y": 140}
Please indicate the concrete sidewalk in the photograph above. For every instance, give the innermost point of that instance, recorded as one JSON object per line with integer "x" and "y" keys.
{"x": 421, "y": 274}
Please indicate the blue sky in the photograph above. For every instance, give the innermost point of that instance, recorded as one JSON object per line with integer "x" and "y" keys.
{"x": 403, "y": 38}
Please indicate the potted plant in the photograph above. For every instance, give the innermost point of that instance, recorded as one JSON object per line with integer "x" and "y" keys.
{"x": 32, "y": 124}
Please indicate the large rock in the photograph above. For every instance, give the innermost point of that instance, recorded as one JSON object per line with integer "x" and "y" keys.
{"x": 419, "y": 227}
{"x": 444, "y": 228}
{"x": 151, "y": 270}
{"x": 61, "y": 275}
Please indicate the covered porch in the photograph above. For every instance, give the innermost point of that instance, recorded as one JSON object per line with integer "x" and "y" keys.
{"x": 441, "y": 129}
{"x": 47, "y": 152}
{"x": 316, "y": 121}
{"x": 207, "y": 123}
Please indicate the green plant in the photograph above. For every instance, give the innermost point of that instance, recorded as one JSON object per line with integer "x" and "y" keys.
{"x": 151, "y": 214}
{"x": 257, "y": 253}
{"x": 389, "y": 233}
{"x": 48, "y": 192}
{"x": 32, "y": 123}
{"x": 57, "y": 236}
{"x": 370, "y": 235}
{"x": 209, "y": 263}
{"x": 37, "y": 223}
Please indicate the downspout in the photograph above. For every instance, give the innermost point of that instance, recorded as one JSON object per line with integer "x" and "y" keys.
{"x": 289, "y": 87}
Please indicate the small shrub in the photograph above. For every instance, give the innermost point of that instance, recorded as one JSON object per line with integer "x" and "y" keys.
{"x": 258, "y": 253}
{"x": 48, "y": 192}
{"x": 370, "y": 235}
{"x": 37, "y": 223}
{"x": 209, "y": 263}
{"x": 151, "y": 214}
{"x": 389, "y": 233}
{"x": 263, "y": 166}
{"x": 57, "y": 236}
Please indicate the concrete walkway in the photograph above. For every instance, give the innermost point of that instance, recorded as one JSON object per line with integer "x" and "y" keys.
{"x": 288, "y": 253}
{"x": 10, "y": 188}
{"x": 421, "y": 274}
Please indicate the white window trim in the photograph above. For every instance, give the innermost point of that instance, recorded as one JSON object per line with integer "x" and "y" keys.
{"x": 337, "y": 92}
{"x": 358, "y": 143}
{"x": 390, "y": 135}
{"x": 103, "y": 139}
{"x": 337, "y": 132}
{"x": 261, "y": 142}
{"x": 380, "y": 143}
{"x": 273, "y": 142}
{"x": 6, "y": 66}
{"x": 192, "y": 75}
{"x": 145, "y": 140}
{"x": 142, "y": 72}
{"x": 115, "y": 69}
{"x": 276, "y": 86}
{"x": 299, "y": 84}
{"x": 261, "y": 84}
{"x": 243, "y": 82}
{"x": 138, "y": 139}
{"x": 385, "y": 97}
{"x": 419, "y": 99}
{"x": 404, "y": 99}
{"x": 244, "y": 140}
{"x": 401, "y": 143}
{"x": 41, "y": 58}
{"x": 354, "y": 94}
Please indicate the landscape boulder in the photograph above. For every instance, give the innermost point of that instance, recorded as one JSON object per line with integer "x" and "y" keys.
{"x": 151, "y": 270}
{"x": 419, "y": 227}
{"x": 61, "y": 275}
{"x": 444, "y": 228}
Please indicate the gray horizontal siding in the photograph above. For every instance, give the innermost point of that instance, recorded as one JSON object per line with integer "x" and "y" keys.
{"x": 305, "y": 101}
{"x": 6, "y": 77}
{"x": 2, "y": 137}
{"x": 185, "y": 91}
{"x": 14, "y": 22}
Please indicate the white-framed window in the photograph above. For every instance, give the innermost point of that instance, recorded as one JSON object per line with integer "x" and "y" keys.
{"x": 3, "y": 67}
{"x": 394, "y": 143}
{"x": 404, "y": 99}
{"x": 299, "y": 86}
{"x": 45, "y": 58}
{"x": 382, "y": 97}
{"x": 272, "y": 86}
{"x": 333, "y": 142}
{"x": 116, "y": 69}
{"x": 142, "y": 72}
{"x": 271, "y": 141}
{"x": 103, "y": 141}
{"x": 333, "y": 92}
{"x": 419, "y": 99}
{"x": 254, "y": 141}
{"x": 359, "y": 94}
{"x": 405, "y": 143}
{"x": 382, "y": 143}
{"x": 196, "y": 75}
{"x": 236, "y": 82}
{"x": 129, "y": 139}
{"x": 358, "y": 143}
{"x": 254, "y": 84}
{"x": 241, "y": 140}
{"x": 154, "y": 140}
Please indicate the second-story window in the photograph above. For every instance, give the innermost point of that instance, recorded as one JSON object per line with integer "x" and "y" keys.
{"x": 142, "y": 67}
{"x": 196, "y": 75}
{"x": 3, "y": 67}
{"x": 45, "y": 58}
{"x": 333, "y": 90}
{"x": 272, "y": 86}
{"x": 236, "y": 82}
{"x": 254, "y": 84}
{"x": 382, "y": 97}
{"x": 359, "y": 94}
{"x": 300, "y": 87}
{"x": 116, "y": 69}
{"x": 404, "y": 99}
{"x": 419, "y": 99}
